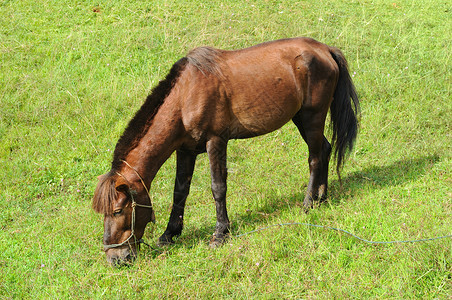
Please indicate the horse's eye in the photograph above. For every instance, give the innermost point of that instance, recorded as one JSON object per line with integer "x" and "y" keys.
{"x": 117, "y": 212}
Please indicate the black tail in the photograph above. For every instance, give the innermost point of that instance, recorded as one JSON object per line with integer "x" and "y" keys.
{"x": 343, "y": 115}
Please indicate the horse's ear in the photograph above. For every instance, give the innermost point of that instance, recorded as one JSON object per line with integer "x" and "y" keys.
{"x": 121, "y": 184}
{"x": 103, "y": 177}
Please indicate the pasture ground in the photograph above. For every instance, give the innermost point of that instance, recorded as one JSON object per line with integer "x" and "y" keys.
{"x": 73, "y": 73}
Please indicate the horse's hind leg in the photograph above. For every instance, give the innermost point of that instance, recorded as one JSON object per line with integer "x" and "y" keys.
{"x": 184, "y": 173}
{"x": 311, "y": 125}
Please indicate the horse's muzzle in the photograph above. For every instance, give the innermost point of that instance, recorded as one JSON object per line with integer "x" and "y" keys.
{"x": 119, "y": 257}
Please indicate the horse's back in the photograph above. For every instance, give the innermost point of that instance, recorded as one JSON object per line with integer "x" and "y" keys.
{"x": 269, "y": 83}
{"x": 255, "y": 90}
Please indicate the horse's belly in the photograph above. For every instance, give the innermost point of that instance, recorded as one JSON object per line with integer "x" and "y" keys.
{"x": 263, "y": 113}
{"x": 262, "y": 96}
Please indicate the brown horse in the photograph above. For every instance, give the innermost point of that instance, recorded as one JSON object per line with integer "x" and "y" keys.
{"x": 209, "y": 97}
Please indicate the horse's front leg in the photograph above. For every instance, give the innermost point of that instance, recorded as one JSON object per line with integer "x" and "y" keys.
{"x": 184, "y": 172}
{"x": 216, "y": 150}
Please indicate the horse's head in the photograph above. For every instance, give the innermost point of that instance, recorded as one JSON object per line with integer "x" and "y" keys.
{"x": 127, "y": 210}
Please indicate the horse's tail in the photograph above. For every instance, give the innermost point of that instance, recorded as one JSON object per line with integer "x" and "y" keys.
{"x": 343, "y": 116}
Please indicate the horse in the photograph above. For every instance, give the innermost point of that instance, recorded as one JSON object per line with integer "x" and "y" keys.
{"x": 209, "y": 97}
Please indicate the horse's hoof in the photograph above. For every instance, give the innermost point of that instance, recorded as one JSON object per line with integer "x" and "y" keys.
{"x": 307, "y": 205}
{"x": 165, "y": 241}
{"x": 215, "y": 244}
{"x": 164, "y": 244}
{"x": 217, "y": 240}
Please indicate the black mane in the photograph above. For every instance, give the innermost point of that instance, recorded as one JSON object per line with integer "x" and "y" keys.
{"x": 205, "y": 59}
{"x": 143, "y": 118}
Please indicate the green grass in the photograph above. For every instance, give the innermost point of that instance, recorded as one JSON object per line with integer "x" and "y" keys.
{"x": 73, "y": 73}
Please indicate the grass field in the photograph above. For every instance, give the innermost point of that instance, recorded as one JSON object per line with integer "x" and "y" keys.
{"x": 73, "y": 73}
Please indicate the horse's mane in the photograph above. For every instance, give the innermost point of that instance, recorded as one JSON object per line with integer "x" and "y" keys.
{"x": 105, "y": 194}
{"x": 143, "y": 118}
{"x": 205, "y": 59}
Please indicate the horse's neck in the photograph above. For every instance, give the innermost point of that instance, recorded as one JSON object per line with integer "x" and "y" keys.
{"x": 162, "y": 138}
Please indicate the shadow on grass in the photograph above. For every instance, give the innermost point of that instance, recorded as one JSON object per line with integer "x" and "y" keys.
{"x": 375, "y": 177}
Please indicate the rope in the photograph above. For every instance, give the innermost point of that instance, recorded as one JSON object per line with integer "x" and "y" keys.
{"x": 345, "y": 231}
{"x": 141, "y": 241}
{"x": 132, "y": 225}
{"x": 139, "y": 176}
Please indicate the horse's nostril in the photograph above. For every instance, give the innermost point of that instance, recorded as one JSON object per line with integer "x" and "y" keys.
{"x": 118, "y": 263}
{"x": 114, "y": 261}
